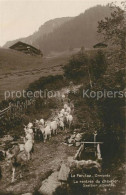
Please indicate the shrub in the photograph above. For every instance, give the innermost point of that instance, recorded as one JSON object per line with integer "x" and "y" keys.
{"x": 76, "y": 67}
{"x": 50, "y": 83}
{"x": 97, "y": 65}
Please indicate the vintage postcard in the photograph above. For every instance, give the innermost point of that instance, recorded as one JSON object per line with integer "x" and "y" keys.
{"x": 62, "y": 97}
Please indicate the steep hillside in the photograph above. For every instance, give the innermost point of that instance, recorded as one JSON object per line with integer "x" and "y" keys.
{"x": 67, "y": 33}
{"x": 45, "y": 29}
{"x": 18, "y": 70}
{"x": 80, "y": 31}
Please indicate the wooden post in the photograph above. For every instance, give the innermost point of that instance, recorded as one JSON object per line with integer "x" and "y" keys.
{"x": 98, "y": 151}
{"x": 79, "y": 151}
{"x": 95, "y": 134}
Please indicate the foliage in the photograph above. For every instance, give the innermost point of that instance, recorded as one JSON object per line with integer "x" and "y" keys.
{"x": 3, "y": 104}
{"x": 76, "y": 67}
{"x": 98, "y": 65}
{"x": 113, "y": 28}
{"x": 83, "y": 66}
{"x": 11, "y": 124}
{"x": 49, "y": 82}
{"x": 42, "y": 105}
{"x": 104, "y": 115}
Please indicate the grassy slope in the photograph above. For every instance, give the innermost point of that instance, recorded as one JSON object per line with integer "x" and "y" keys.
{"x": 18, "y": 70}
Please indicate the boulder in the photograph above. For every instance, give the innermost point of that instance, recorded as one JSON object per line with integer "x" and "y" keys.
{"x": 78, "y": 144}
{"x": 70, "y": 144}
{"x": 84, "y": 165}
{"x": 50, "y": 184}
{"x": 73, "y": 136}
{"x": 78, "y": 137}
{"x": 71, "y": 141}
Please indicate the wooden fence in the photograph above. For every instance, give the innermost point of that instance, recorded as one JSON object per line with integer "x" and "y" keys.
{"x": 5, "y": 111}
{"x": 16, "y": 107}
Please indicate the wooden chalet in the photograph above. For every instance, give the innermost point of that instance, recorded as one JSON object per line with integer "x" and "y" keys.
{"x": 26, "y": 48}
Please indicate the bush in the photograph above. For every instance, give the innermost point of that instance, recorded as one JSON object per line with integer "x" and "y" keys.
{"x": 97, "y": 65}
{"x": 50, "y": 83}
{"x": 76, "y": 68}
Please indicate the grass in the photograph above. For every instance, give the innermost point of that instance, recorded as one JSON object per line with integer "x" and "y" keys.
{"x": 48, "y": 156}
{"x": 18, "y": 70}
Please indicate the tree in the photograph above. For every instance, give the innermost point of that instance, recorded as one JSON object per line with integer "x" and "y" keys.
{"x": 83, "y": 66}
{"x": 113, "y": 28}
{"x": 75, "y": 69}
{"x": 97, "y": 66}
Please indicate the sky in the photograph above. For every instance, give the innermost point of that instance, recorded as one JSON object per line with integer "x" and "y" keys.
{"x": 21, "y": 18}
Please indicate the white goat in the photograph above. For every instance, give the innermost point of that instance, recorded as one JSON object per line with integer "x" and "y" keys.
{"x": 22, "y": 147}
{"x": 47, "y": 132}
{"x": 30, "y": 125}
{"x": 42, "y": 122}
{"x": 62, "y": 111}
{"x": 69, "y": 119}
{"x": 65, "y": 106}
{"x": 54, "y": 127}
{"x": 30, "y": 132}
{"x": 68, "y": 109}
{"x": 72, "y": 107}
{"x": 61, "y": 124}
{"x": 61, "y": 117}
{"x": 29, "y": 145}
{"x": 63, "y": 97}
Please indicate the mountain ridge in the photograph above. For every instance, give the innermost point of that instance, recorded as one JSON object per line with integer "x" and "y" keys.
{"x": 46, "y": 28}
{"x": 66, "y": 33}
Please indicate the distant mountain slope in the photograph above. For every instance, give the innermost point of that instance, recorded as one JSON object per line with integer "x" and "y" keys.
{"x": 67, "y": 33}
{"x": 80, "y": 31}
{"x": 45, "y": 29}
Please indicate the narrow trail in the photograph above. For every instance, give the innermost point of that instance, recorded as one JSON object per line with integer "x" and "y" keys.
{"x": 46, "y": 158}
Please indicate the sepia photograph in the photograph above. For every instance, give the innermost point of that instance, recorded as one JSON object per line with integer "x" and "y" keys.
{"x": 62, "y": 97}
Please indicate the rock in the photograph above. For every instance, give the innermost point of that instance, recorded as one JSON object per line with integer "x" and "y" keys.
{"x": 83, "y": 165}
{"x": 64, "y": 172}
{"x": 71, "y": 141}
{"x": 70, "y": 145}
{"x": 65, "y": 143}
{"x": 66, "y": 138}
{"x": 70, "y": 159}
{"x": 76, "y": 130}
{"x": 50, "y": 184}
{"x": 78, "y": 137}
{"x": 73, "y": 136}
{"x": 7, "y": 138}
{"x": 78, "y": 144}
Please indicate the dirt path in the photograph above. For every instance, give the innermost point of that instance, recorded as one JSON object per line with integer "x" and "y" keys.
{"x": 46, "y": 157}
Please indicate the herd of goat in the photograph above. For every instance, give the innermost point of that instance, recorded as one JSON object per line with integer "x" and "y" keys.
{"x": 40, "y": 130}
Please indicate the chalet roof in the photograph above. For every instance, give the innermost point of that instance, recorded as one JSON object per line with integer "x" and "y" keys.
{"x": 25, "y": 44}
{"x": 100, "y": 45}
